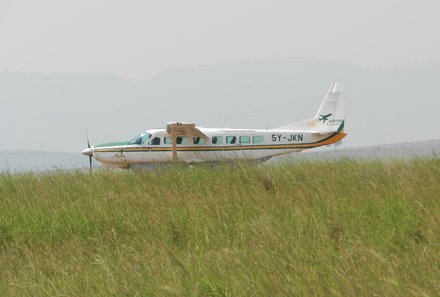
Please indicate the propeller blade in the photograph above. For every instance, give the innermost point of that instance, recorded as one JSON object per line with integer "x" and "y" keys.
{"x": 87, "y": 136}
{"x": 88, "y": 152}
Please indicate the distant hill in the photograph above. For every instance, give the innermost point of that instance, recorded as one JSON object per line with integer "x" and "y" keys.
{"x": 402, "y": 151}
{"x": 49, "y": 112}
{"x": 37, "y": 161}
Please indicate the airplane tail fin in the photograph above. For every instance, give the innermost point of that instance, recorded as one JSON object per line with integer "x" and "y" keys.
{"x": 330, "y": 116}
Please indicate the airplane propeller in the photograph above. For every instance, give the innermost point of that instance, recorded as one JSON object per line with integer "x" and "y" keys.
{"x": 88, "y": 152}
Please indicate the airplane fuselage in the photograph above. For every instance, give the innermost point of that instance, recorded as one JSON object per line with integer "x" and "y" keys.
{"x": 218, "y": 145}
{"x": 185, "y": 142}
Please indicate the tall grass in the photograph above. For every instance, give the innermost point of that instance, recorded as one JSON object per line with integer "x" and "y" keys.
{"x": 342, "y": 228}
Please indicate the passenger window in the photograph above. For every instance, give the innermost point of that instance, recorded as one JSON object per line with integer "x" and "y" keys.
{"x": 198, "y": 140}
{"x": 182, "y": 140}
{"x": 217, "y": 139}
{"x": 257, "y": 139}
{"x": 245, "y": 139}
{"x": 231, "y": 139}
{"x": 155, "y": 141}
{"x": 168, "y": 140}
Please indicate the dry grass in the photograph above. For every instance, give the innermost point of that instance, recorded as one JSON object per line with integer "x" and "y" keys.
{"x": 326, "y": 228}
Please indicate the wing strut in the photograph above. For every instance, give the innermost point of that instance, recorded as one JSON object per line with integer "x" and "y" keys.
{"x": 174, "y": 139}
{"x": 182, "y": 129}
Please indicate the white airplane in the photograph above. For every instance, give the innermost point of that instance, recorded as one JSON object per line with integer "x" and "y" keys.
{"x": 186, "y": 142}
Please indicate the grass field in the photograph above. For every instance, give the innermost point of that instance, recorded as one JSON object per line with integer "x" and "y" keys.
{"x": 312, "y": 229}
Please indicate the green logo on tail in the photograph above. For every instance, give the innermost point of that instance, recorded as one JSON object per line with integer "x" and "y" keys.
{"x": 324, "y": 118}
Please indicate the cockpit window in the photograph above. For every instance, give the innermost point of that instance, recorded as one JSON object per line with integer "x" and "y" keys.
{"x": 141, "y": 138}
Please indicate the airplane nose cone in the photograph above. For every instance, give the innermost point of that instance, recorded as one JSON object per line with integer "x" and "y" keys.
{"x": 87, "y": 152}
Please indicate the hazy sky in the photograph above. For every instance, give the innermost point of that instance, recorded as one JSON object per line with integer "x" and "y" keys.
{"x": 136, "y": 39}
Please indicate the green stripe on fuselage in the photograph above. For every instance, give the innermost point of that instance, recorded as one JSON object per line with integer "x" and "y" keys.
{"x": 113, "y": 144}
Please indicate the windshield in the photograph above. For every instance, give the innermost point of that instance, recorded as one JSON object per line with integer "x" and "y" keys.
{"x": 141, "y": 138}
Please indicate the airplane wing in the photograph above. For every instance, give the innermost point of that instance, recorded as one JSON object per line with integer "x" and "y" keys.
{"x": 184, "y": 129}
